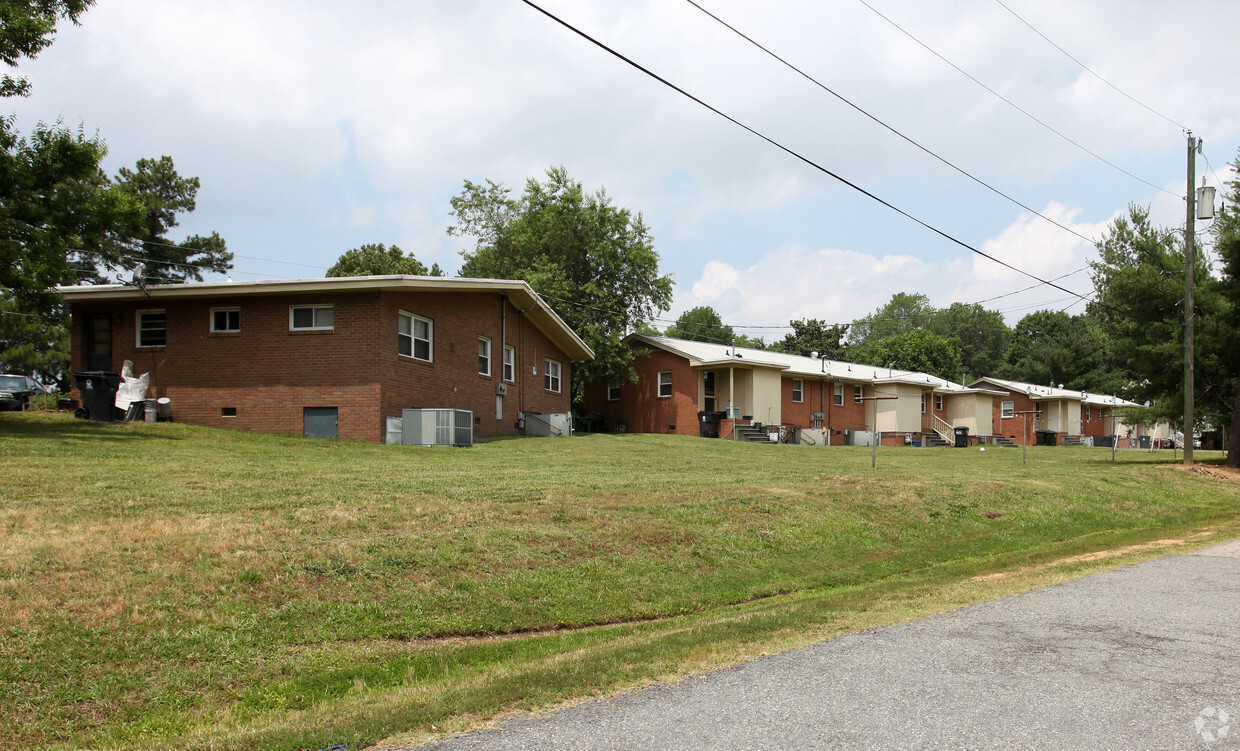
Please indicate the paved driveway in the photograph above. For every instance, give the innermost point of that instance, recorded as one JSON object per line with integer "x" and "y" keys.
{"x": 1142, "y": 657}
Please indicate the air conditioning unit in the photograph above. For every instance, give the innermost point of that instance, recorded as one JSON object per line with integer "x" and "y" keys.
{"x": 437, "y": 427}
{"x": 501, "y": 389}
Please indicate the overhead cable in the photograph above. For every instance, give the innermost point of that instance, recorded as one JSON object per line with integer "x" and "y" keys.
{"x": 1089, "y": 70}
{"x": 880, "y": 122}
{"x": 1013, "y": 105}
{"x": 789, "y": 151}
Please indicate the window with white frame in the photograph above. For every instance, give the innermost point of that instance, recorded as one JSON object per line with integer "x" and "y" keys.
{"x": 839, "y": 395}
{"x": 938, "y": 402}
{"x": 1007, "y": 409}
{"x": 923, "y": 403}
{"x": 152, "y": 328}
{"x": 311, "y": 317}
{"x": 414, "y": 336}
{"x": 225, "y": 320}
{"x": 665, "y": 383}
{"x": 551, "y": 376}
{"x": 613, "y": 391}
{"x": 510, "y": 363}
{"x": 484, "y": 356}
{"x": 857, "y": 394}
{"x": 798, "y": 390}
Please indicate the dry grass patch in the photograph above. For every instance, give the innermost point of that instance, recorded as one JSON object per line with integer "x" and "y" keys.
{"x": 252, "y": 591}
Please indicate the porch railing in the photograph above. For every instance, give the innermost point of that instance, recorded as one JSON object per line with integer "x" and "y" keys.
{"x": 943, "y": 428}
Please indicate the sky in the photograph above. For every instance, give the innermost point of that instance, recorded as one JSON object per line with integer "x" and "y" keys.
{"x": 317, "y": 126}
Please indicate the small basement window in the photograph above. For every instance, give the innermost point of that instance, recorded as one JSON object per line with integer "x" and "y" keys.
{"x": 228, "y": 411}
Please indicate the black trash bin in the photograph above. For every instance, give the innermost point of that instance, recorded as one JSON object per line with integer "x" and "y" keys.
{"x": 708, "y": 424}
{"x": 962, "y": 437}
{"x": 98, "y": 389}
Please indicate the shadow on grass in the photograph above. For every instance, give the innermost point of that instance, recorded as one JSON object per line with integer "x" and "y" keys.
{"x": 65, "y": 427}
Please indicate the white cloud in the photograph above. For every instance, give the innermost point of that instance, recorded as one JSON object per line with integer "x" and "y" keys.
{"x": 839, "y": 285}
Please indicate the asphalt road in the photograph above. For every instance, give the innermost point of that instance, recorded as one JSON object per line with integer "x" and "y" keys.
{"x": 1141, "y": 657}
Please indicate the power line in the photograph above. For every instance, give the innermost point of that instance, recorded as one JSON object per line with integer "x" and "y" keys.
{"x": 1012, "y": 104}
{"x": 891, "y": 129}
{"x": 1090, "y": 70}
{"x": 789, "y": 151}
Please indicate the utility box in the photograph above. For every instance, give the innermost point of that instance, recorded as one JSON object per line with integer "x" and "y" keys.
{"x": 555, "y": 424}
{"x": 437, "y": 427}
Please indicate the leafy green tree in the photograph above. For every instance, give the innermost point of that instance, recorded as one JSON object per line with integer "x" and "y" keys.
{"x": 594, "y": 263}
{"x": 379, "y": 260}
{"x": 701, "y": 324}
{"x": 33, "y": 343}
{"x": 751, "y": 342}
{"x": 26, "y": 28}
{"x": 919, "y": 350}
{"x": 1226, "y": 329}
{"x": 1052, "y": 347}
{"x": 163, "y": 196}
{"x": 983, "y": 335}
{"x": 1139, "y": 304}
{"x": 811, "y": 335}
{"x": 905, "y": 311}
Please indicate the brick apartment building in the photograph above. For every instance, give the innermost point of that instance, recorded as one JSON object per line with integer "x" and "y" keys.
{"x": 274, "y": 356}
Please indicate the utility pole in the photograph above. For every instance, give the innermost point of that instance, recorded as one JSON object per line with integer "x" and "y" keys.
{"x": 1190, "y": 240}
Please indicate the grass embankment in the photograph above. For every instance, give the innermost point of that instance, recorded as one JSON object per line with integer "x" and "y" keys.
{"x": 162, "y": 585}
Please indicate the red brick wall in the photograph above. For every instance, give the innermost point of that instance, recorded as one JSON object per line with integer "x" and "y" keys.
{"x": 1012, "y": 427}
{"x": 640, "y": 403}
{"x": 268, "y": 373}
{"x": 820, "y": 397}
{"x": 1097, "y": 423}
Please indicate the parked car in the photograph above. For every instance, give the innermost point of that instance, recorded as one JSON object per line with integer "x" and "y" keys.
{"x": 16, "y": 390}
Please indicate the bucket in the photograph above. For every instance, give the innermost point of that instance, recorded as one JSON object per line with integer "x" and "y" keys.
{"x": 152, "y": 410}
{"x": 164, "y": 407}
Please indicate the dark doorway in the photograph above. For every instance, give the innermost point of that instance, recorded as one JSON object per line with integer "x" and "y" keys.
{"x": 97, "y": 341}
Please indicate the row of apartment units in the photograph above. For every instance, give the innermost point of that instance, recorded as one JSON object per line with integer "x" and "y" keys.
{"x": 348, "y": 353}
{"x": 677, "y": 380}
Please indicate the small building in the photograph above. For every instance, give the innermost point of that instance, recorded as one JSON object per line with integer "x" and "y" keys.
{"x": 333, "y": 356}
{"x": 827, "y": 401}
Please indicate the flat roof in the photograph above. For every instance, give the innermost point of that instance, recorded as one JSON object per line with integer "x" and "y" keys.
{"x": 519, "y": 292}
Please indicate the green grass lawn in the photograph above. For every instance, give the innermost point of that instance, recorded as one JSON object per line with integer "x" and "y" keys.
{"x": 170, "y": 586}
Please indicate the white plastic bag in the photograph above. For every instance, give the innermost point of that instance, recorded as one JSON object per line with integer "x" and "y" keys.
{"x": 131, "y": 389}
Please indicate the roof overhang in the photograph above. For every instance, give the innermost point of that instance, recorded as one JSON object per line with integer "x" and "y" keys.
{"x": 518, "y": 292}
